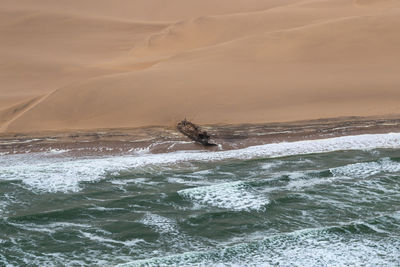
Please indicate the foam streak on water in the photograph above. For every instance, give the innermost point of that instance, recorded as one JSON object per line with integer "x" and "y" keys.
{"x": 234, "y": 196}
{"x": 308, "y": 247}
{"x": 366, "y": 169}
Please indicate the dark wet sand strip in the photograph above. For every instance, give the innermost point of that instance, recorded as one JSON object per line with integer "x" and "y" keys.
{"x": 168, "y": 139}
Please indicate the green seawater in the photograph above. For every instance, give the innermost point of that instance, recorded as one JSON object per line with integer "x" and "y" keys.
{"x": 336, "y": 208}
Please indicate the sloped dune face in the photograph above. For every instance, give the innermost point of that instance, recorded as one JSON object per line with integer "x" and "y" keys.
{"x": 392, "y": 3}
{"x": 273, "y": 61}
{"x": 42, "y": 50}
{"x": 150, "y": 10}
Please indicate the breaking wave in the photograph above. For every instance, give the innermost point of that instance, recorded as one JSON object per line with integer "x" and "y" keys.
{"x": 366, "y": 169}
{"x": 68, "y": 174}
{"x": 235, "y": 196}
{"x": 368, "y": 245}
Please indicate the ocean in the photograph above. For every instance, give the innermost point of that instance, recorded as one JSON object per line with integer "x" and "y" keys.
{"x": 327, "y": 202}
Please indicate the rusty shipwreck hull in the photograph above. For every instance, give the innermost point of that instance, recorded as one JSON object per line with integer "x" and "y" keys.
{"x": 194, "y": 132}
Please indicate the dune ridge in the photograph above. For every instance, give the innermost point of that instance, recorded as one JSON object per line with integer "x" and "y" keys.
{"x": 266, "y": 61}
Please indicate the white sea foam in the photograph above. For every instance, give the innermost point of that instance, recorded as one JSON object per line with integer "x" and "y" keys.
{"x": 270, "y": 165}
{"x": 139, "y": 151}
{"x": 106, "y": 209}
{"x": 105, "y": 240}
{"x": 235, "y": 196}
{"x": 6, "y": 200}
{"x": 65, "y": 175}
{"x": 326, "y": 246}
{"x": 300, "y": 180}
{"x": 306, "y": 183}
{"x": 159, "y": 223}
{"x": 188, "y": 182}
{"x": 58, "y": 151}
{"x": 304, "y": 252}
{"x": 201, "y": 173}
{"x": 366, "y": 169}
{"x": 136, "y": 181}
{"x": 47, "y": 228}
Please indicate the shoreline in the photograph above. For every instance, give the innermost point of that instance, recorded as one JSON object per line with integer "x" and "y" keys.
{"x": 157, "y": 139}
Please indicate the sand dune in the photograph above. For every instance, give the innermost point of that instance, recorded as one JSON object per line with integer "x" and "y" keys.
{"x": 148, "y": 10}
{"x": 93, "y": 66}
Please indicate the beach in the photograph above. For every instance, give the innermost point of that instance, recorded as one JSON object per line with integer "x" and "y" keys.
{"x": 158, "y": 139}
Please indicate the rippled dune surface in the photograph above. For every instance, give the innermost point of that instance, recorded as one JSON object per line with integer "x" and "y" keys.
{"x": 108, "y": 64}
{"x": 307, "y": 203}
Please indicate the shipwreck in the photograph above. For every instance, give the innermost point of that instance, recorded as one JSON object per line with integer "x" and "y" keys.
{"x": 194, "y": 132}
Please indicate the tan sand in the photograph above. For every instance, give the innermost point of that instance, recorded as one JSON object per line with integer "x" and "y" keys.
{"x": 91, "y": 64}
